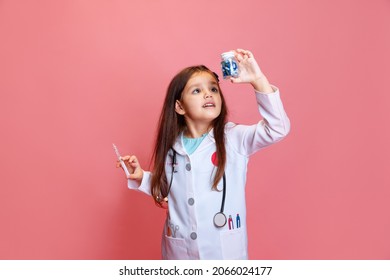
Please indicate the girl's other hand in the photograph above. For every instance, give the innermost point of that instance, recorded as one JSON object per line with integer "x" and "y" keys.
{"x": 250, "y": 72}
{"x": 132, "y": 164}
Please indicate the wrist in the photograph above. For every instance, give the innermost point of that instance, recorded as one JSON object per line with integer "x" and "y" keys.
{"x": 141, "y": 176}
{"x": 261, "y": 84}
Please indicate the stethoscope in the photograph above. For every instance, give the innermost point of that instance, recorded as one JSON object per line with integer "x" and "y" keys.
{"x": 219, "y": 218}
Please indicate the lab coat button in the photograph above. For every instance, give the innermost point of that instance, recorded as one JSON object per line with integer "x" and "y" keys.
{"x": 191, "y": 201}
{"x": 193, "y": 235}
{"x": 188, "y": 166}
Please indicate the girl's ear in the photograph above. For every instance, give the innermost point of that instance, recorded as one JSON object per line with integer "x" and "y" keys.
{"x": 178, "y": 108}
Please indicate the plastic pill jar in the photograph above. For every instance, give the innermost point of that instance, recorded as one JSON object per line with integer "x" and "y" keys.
{"x": 229, "y": 65}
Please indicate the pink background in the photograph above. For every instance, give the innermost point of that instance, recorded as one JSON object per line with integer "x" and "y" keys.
{"x": 76, "y": 76}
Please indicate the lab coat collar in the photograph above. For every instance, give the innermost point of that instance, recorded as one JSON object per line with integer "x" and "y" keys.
{"x": 178, "y": 146}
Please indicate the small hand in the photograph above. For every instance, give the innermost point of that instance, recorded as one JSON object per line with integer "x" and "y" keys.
{"x": 132, "y": 164}
{"x": 250, "y": 71}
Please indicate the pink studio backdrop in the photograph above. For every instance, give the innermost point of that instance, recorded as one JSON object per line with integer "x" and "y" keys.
{"x": 76, "y": 76}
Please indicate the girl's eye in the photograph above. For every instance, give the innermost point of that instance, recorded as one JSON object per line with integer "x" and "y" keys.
{"x": 214, "y": 89}
{"x": 195, "y": 91}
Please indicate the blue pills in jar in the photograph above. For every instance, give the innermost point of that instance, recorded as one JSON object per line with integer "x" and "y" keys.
{"x": 229, "y": 65}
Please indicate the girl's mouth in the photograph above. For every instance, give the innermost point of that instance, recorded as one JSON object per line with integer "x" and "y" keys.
{"x": 208, "y": 105}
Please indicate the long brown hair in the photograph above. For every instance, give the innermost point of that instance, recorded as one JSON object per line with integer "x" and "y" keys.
{"x": 172, "y": 124}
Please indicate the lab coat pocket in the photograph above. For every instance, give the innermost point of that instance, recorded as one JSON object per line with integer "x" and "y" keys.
{"x": 233, "y": 244}
{"x": 174, "y": 249}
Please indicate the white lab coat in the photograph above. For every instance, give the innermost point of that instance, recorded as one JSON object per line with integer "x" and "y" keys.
{"x": 192, "y": 202}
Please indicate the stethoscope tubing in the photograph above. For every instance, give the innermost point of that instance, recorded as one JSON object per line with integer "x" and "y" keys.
{"x": 223, "y": 193}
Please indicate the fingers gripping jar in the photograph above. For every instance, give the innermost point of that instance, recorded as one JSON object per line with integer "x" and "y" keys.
{"x": 229, "y": 65}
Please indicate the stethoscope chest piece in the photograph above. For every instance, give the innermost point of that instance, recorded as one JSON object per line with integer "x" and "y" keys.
{"x": 220, "y": 219}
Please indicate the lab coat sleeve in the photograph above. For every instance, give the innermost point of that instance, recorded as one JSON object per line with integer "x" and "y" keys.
{"x": 275, "y": 125}
{"x": 144, "y": 186}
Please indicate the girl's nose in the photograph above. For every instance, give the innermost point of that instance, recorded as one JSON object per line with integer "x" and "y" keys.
{"x": 207, "y": 94}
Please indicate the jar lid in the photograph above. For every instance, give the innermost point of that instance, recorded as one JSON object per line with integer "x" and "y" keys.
{"x": 227, "y": 55}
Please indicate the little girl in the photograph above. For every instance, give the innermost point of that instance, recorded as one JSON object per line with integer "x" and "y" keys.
{"x": 200, "y": 161}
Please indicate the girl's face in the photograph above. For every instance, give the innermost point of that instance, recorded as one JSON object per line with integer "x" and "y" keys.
{"x": 200, "y": 100}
